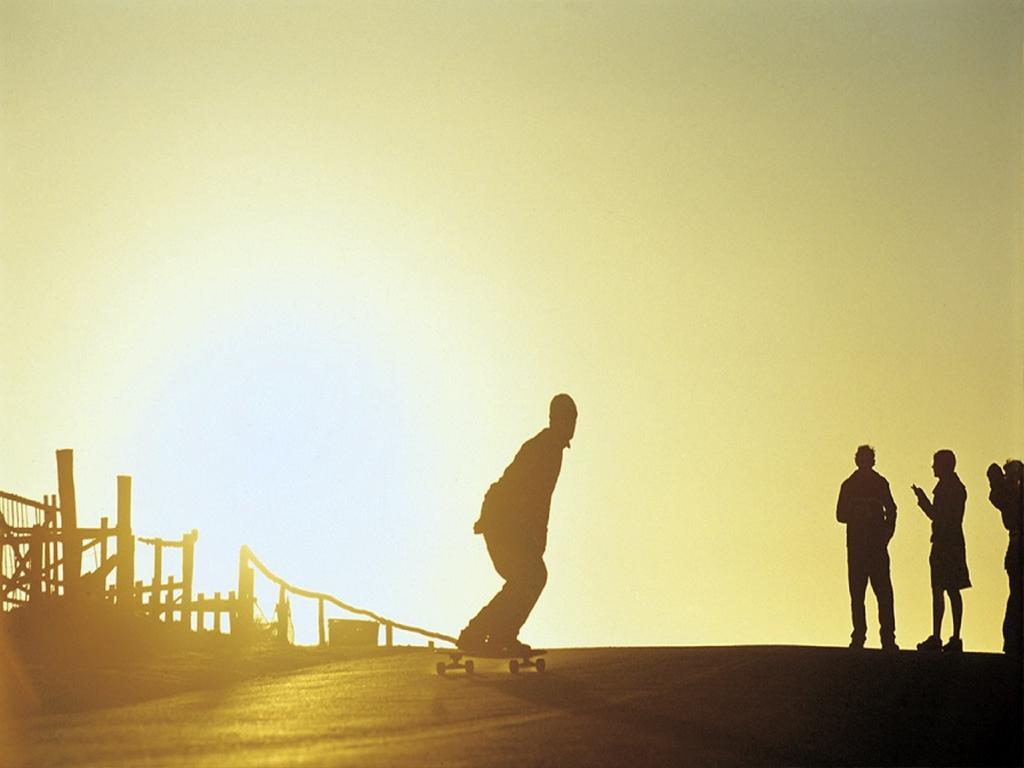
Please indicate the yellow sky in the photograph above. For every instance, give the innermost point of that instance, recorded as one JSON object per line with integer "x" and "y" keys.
{"x": 311, "y": 272}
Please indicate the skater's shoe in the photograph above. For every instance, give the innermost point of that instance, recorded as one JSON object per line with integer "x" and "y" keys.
{"x": 955, "y": 645}
{"x": 471, "y": 642}
{"x": 856, "y": 645}
{"x": 933, "y": 644}
{"x": 516, "y": 648}
{"x": 889, "y": 646}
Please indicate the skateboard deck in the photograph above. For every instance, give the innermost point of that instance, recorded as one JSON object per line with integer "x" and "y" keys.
{"x": 516, "y": 661}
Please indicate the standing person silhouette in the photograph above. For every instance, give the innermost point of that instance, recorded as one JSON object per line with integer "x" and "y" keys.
{"x": 1007, "y": 495}
{"x": 867, "y": 510}
{"x": 514, "y": 524}
{"x": 948, "y": 558}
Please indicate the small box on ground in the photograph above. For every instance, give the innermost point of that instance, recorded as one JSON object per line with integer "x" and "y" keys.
{"x": 352, "y": 633}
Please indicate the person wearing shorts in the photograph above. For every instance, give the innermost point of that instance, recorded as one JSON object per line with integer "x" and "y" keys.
{"x": 948, "y": 557}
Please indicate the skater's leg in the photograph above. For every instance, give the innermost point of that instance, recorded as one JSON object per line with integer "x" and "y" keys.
{"x": 487, "y": 621}
{"x": 518, "y": 559}
{"x": 529, "y": 581}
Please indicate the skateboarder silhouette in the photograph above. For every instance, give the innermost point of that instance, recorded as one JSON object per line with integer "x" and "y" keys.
{"x": 514, "y": 524}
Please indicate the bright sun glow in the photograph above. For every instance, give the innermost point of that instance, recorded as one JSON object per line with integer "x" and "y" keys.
{"x": 314, "y": 302}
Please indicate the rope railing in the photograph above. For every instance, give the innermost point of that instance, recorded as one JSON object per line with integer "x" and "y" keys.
{"x": 250, "y": 555}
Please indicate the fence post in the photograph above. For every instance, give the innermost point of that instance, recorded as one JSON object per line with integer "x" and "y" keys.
{"x": 157, "y": 595}
{"x": 170, "y": 600}
{"x": 283, "y": 618}
{"x": 98, "y": 589}
{"x": 125, "y": 544}
{"x": 389, "y": 634}
{"x": 188, "y": 555}
{"x": 216, "y": 612}
{"x": 104, "y": 530}
{"x": 50, "y": 513}
{"x": 200, "y": 615}
{"x": 243, "y": 626}
{"x": 35, "y": 561}
{"x": 71, "y": 545}
{"x": 43, "y": 564}
{"x": 233, "y": 613}
{"x": 53, "y": 574}
{"x": 320, "y": 624}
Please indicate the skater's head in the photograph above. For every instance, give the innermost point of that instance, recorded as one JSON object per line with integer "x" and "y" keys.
{"x": 944, "y": 463}
{"x": 865, "y": 457}
{"x": 562, "y": 416}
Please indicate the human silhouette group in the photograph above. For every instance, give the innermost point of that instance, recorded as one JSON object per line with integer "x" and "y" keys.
{"x": 867, "y": 509}
{"x": 514, "y": 523}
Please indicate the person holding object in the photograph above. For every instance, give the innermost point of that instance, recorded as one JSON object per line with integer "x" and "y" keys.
{"x": 1006, "y": 492}
{"x": 514, "y": 523}
{"x": 867, "y": 510}
{"x": 948, "y": 557}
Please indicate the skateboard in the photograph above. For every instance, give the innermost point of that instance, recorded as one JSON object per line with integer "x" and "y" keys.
{"x": 515, "y": 661}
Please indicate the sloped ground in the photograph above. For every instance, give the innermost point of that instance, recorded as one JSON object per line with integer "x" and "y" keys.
{"x": 604, "y": 707}
{"x": 64, "y": 658}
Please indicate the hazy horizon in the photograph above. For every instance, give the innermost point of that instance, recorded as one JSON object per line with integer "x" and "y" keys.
{"x": 311, "y": 274}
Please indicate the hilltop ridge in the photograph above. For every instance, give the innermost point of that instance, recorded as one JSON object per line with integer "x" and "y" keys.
{"x": 750, "y": 705}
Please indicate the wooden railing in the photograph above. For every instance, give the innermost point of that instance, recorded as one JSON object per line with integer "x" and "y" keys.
{"x": 169, "y": 599}
{"x": 248, "y": 561}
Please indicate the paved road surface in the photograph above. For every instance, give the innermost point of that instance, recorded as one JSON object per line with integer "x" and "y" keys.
{"x": 600, "y": 707}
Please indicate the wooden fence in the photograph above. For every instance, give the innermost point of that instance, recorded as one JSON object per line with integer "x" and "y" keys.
{"x": 42, "y": 550}
{"x": 41, "y": 557}
{"x": 41, "y": 545}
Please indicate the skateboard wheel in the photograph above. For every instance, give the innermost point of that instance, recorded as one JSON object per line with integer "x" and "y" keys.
{"x": 440, "y": 667}
{"x": 541, "y": 665}
{"x": 513, "y": 667}
{"x": 470, "y": 667}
